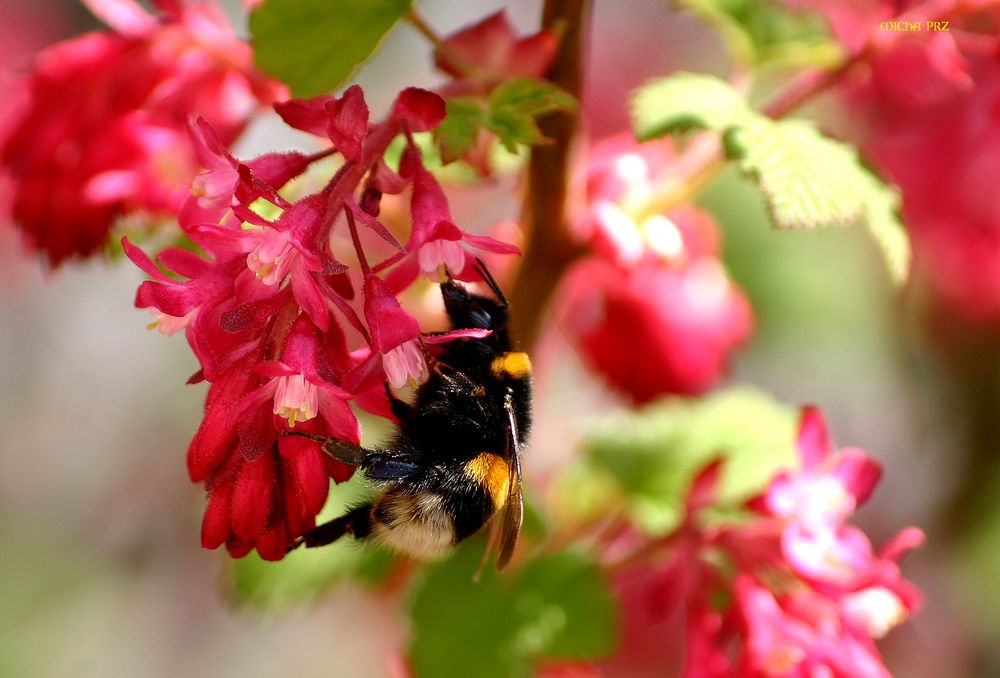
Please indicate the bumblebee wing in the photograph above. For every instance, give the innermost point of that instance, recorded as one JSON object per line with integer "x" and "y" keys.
{"x": 514, "y": 508}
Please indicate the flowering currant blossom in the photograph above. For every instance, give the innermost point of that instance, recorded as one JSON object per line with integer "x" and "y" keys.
{"x": 482, "y": 55}
{"x": 103, "y": 131}
{"x": 802, "y": 592}
{"x": 272, "y": 316}
{"x": 652, "y": 285}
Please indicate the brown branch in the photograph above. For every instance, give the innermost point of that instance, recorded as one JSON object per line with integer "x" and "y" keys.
{"x": 548, "y": 246}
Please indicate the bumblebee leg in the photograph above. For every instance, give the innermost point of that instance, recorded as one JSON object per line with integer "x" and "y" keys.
{"x": 338, "y": 449}
{"x": 357, "y": 523}
{"x": 444, "y": 370}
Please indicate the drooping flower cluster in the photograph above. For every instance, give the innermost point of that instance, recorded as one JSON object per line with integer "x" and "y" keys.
{"x": 651, "y": 308}
{"x": 273, "y": 315}
{"x": 794, "y": 590}
{"x": 102, "y": 132}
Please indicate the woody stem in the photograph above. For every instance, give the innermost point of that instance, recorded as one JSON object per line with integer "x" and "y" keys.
{"x": 548, "y": 246}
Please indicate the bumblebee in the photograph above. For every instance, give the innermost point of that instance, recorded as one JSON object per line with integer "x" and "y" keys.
{"x": 454, "y": 461}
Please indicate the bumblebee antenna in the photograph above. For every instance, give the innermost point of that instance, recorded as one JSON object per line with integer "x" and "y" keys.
{"x": 490, "y": 281}
{"x": 305, "y": 434}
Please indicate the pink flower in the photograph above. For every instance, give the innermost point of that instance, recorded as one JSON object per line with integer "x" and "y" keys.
{"x": 265, "y": 490}
{"x": 805, "y": 636}
{"x": 828, "y": 488}
{"x": 654, "y": 285}
{"x": 793, "y": 591}
{"x": 264, "y": 502}
{"x": 682, "y": 323}
{"x": 488, "y": 52}
{"x": 103, "y": 131}
{"x": 434, "y": 238}
{"x": 621, "y": 178}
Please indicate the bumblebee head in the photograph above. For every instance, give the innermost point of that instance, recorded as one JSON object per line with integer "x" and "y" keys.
{"x": 472, "y": 310}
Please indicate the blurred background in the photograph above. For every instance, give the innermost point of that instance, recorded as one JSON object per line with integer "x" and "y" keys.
{"x": 103, "y": 571}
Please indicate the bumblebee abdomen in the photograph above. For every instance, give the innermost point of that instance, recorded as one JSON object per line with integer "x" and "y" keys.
{"x": 419, "y": 524}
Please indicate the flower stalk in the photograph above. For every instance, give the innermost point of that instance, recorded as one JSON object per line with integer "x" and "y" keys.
{"x": 549, "y": 247}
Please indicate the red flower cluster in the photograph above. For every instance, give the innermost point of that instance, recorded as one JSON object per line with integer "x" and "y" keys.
{"x": 271, "y": 312}
{"x": 103, "y": 130}
{"x": 802, "y": 592}
{"x": 651, "y": 309}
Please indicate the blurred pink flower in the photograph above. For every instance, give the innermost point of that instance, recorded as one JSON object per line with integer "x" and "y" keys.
{"x": 103, "y": 131}
{"x": 653, "y": 330}
{"x": 434, "y": 238}
{"x": 652, "y": 310}
{"x": 790, "y": 591}
{"x": 489, "y": 52}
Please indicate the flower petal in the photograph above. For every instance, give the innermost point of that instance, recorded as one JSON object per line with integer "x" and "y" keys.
{"x": 858, "y": 473}
{"x": 308, "y": 115}
{"x": 420, "y": 109}
{"x": 348, "y": 122}
{"x": 813, "y": 443}
{"x": 216, "y": 525}
{"x": 253, "y": 494}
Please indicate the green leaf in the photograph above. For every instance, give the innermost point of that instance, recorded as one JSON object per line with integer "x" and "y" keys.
{"x": 304, "y": 574}
{"x": 808, "y": 180}
{"x": 558, "y": 607}
{"x": 686, "y": 100}
{"x": 767, "y": 34}
{"x": 570, "y": 611}
{"x": 654, "y": 453}
{"x": 882, "y": 218}
{"x": 514, "y": 106}
{"x": 456, "y": 135}
{"x": 315, "y": 45}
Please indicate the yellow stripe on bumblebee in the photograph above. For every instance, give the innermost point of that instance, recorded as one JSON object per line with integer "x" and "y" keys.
{"x": 514, "y": 364}
{"x": 492, "y": 472}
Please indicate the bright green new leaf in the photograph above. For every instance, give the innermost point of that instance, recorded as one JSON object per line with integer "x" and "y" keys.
{"x": 881, "y": 216}
{"x": 767, "y": 33}
{"x": 514, "y": 107}
{"x": 557, "y": 607}
{"x": 456, "y": 135}
{"x": 315, "y": 45}
{"x": 686, "y": 100}
{"x": 809, "y": 180}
